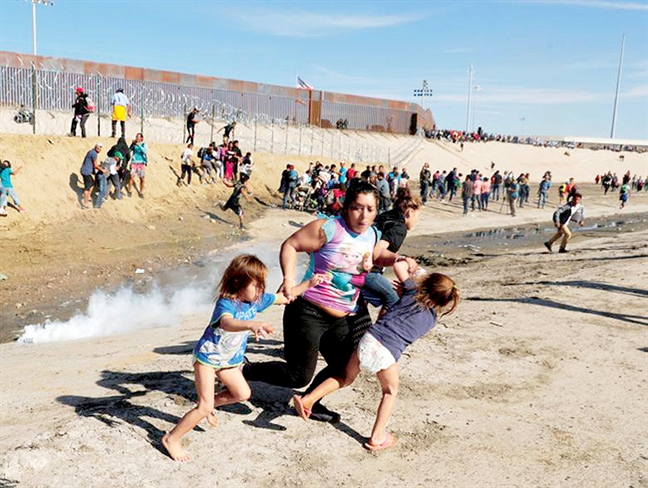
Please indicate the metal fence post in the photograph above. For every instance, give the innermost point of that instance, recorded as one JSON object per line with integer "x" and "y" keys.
{"x": 272, "y": 136}
{"x": 286, "y": 144}
{"x": 141, "y": 117}
{"x": 34, "y": 97}
{"x": 213, "y": 120}
{"x": 98, "y": 104}
{"x": 184, "y": 127}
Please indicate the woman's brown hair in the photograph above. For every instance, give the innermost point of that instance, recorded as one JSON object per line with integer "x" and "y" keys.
{"x": 405, "y": 199}
{"x": 242, "y": 271}
{"x": 437, "y": 291}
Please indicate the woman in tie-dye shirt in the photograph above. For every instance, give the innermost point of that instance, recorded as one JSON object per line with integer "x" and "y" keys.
{"x": 323, "y": 319}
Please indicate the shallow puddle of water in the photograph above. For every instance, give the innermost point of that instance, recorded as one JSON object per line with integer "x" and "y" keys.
{"x": 488, "y": 241}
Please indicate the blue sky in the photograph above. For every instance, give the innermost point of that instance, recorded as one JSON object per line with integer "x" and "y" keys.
{"x": 543, "y": 67}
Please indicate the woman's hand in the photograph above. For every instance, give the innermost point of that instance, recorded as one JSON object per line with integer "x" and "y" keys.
{"x": 286, "y": 289}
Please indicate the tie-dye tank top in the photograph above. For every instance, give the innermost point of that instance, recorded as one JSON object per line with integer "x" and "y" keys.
{"x": 345, "y": 257}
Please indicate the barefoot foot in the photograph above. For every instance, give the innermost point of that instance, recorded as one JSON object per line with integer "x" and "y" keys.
{"x": 174, "y": 448}
{"x": 212, "y": 419}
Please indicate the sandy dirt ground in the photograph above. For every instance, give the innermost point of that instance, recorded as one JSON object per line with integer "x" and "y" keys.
{"x": 539, "y": 379}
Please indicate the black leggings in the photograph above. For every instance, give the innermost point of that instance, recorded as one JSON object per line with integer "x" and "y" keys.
{"x": 308, "y": 330}
{"x": 186, "y": 170}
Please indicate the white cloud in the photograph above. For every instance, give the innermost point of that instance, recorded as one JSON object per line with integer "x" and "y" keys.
{"x": 308, "y": 24}
{"x": 640, "y": 6}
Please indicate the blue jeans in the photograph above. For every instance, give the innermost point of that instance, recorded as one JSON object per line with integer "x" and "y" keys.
{"x": 466, "y": 200}
{"x": 378, "y": 291}
{"x": 5, "y": 193}
{"x": 289, "y": 193}
{"x": 102, "y": 184}
{"x": 424, "y": 191}
{"x": 484, "y": 200}
{"x": 542, "y": 199}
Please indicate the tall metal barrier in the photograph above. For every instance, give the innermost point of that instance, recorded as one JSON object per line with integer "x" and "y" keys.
{"x": 269, "y": 116}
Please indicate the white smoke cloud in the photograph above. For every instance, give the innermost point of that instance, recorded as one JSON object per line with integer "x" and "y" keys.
{"x": 127, "y": 310}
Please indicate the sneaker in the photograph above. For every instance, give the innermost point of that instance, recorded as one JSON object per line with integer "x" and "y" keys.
{"x": 548, "y": 246}
{"x": 562, "y": 250}
{"x": 21, "y": 209}
{"x": 3, "y": 212}
{"x": 323, "y": 414}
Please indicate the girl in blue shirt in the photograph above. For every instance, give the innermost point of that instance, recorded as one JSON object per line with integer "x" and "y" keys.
{"x": 220, "y": 350}
{"x": 381, "y": 347}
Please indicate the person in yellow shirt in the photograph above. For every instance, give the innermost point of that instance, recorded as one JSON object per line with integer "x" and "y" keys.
{"x": 121, "y": 110}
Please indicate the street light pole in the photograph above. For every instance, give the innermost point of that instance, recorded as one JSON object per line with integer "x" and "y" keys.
{"x": 618, "y": 87}
{"x": 424, "y": 91}
{"x": 34, "y": 2}
{"x": 470, "y": 90}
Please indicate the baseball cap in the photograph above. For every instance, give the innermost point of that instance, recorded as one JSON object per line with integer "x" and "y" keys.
{"x": 78, "y": 89}
{"x": 118, "y": 155}
{"x": 99, "y": 144}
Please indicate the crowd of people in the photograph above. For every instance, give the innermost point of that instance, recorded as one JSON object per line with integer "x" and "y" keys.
{"x": 322, "y": 188}
{"x": 626, "y": 186}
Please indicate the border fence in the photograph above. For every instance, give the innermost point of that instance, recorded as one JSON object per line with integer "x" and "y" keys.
{"x": 160, "y": 101}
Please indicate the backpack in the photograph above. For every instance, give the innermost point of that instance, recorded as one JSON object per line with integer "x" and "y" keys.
{"x": 201, "y": 152}
{"x": 90, "y": 106}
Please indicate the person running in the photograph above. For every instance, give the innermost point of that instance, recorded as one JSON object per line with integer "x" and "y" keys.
{"x": 624, "y": 194}
{"x": 234, "y": 201}
{"x": 82, "y": 111}
{"x": 423, "y": 302}
{"x": 324, "y": 319}
{"x": 7, "y": 189}
{"x": 573, "y": 211}
{"x": 139, "y": 160}
{"x": 220, "y": 351}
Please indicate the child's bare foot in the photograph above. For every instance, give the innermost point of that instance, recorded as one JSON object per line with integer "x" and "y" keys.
{"x": 380, "y": 445}
{"x": 174, "y": 448}
{"x": 212, "y": 420}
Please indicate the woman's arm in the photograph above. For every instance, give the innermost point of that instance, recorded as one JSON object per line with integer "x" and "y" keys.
{"x": 309, "y": 238}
